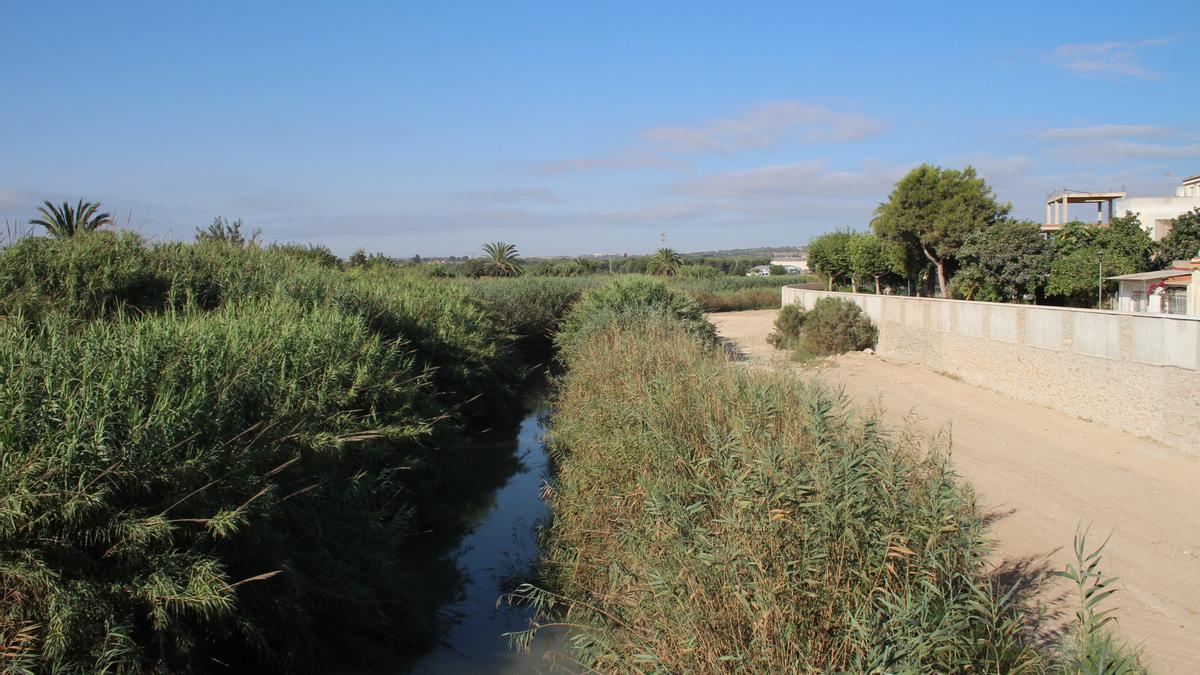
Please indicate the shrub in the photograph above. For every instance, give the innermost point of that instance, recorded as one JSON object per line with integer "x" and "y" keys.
{"x": 710, "y": 518}
{"x": 529, "y": 308}
{"x": 627, "y": 300}
{"x": 788, "y": 325}
{"x": 834, "y": 326}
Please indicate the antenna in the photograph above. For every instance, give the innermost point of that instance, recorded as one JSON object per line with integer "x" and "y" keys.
{"x": 1167, "y": 184}
{"x": 662, "y": 237}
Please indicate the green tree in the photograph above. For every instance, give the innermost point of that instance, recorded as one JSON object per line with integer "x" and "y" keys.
{"x": 1183, "y": 241}
{"x": 665, "y": 262}
{"x": 229, "y": 232}
{"x": 777, "y": 270}
{"x": 873, "y": 258}
{"x": 931, "y": 211}
{"x": 1085, "y": 254}
{"x": 829, "y": 256}
{"x": 502, "y": 259}
{"x": 1004, "y": 262}
{"x": 68, "y": 221}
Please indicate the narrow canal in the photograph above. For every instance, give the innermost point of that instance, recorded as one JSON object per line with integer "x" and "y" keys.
{"x": 498, "y": 550}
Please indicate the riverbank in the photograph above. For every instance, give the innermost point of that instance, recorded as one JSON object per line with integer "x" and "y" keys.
{"x": 1039, "y": 473}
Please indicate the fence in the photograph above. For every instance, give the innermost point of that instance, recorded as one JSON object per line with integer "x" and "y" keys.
{"x": 1135, "y": 372}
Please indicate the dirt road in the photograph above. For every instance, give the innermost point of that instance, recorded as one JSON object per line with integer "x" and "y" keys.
{"x": 1039, "y": 473}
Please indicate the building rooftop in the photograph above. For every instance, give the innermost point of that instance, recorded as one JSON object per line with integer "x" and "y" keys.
{"x": 1151, "y": 276}
{"x": 1077, "y": 197}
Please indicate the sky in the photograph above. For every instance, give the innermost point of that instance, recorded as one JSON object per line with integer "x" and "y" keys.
{"x": 574, "y": 128}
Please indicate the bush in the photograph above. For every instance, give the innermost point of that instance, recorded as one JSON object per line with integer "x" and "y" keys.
{"x": 788, "y": 325}
{"x": 529, "y": 308}
{"x": 628, "y": 300}
{"x": 834, "y": 326}
{"x": 711, "y": 518}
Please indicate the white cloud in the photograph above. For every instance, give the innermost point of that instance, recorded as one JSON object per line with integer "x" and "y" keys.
{"x": 764, "y": 126}
{"x": 510, "y": 196}
{"x": 1100, "y": 132}
{"x": 1119, "y": 59}
{"x": 808, "y": 178}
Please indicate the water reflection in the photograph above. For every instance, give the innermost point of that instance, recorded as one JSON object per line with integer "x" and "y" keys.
{"x": 498, "y": 550}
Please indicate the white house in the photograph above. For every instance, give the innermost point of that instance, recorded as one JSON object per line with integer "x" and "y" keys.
{"x": 1156, "y": 213}
{"x": 1170, "y": 291}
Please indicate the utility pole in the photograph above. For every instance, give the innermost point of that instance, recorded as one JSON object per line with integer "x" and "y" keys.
{"x": 1100, "y": 285}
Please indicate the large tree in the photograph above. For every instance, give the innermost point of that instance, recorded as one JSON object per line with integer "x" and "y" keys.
{"x": 829, "y": 256}
{"x": 931, "y": 211}
{"x": 1183, "y": 241}
{"x": 68, "y": 221}
{"x": 1004, "y": 263}
{"x": 872, "y": 258}
{"x": 1086, "y": 254}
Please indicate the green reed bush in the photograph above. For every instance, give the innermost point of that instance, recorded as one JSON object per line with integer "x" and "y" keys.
{"x": 626, "y": 300}
{"x": 789, "y": 325}
{"x": 710, "y": 518}
{"x": 187, "y": 486}
{"x": 530, "y": 308}
{"x": 733, "y": 293}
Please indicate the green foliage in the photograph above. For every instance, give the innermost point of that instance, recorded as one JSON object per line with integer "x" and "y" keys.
{"x": 789, "y": 324}
{"x": 625, "y": 300}
{"x": 529, "y": 308}
{"x": 1092, "y": 647}
{"x": 1183, "y": 241}
{"x": 711, "y": 518}
{"x": 1085, "y": 252}
{"x": 664, "y": 263}
{"x": 699, "y": 272}
{"x": 733, "y": 294}
{"x": 1004, "y": 262}
{"x": 931, "y": 211}
{"x": 501, "y": 259}
{"x": 216, "y": 452}
{"x": 228, "y": 232}
{"x": 67, "y": 221}
{"x": 829, "y": 256}
{"x": 834, "y": 326}
{"x": 314, "y": 253}
{"x": 777, "y": 270}
{"x": 872, "y": 258}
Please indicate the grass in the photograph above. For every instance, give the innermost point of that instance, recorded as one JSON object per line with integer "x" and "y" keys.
{"x": 735, "y": 294}
{"x": 711, "y": 518}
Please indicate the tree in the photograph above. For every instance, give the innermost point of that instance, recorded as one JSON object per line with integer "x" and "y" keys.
{"x": 665, "y": 262}
{"x": 227, "y": 232}
{"x": 873, "y": 258}
{"x": 1183, "y": 241}
{"x": 1004, "y": 262}
{"x": 931, "y": 211}
{"x": 68, "y": 221}
{"x": 829, "y": 256}
{"x": 1084, "y": 254}
{"x": 502, "y": 259}
{"x": 776, "y": 270}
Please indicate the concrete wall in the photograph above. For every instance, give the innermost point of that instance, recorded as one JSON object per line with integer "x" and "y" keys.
{"x": 1151, "y": 210}
{"x": 1134, "y": 372}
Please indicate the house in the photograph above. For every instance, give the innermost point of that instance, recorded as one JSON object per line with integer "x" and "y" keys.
{"x": 800, "y": 265}
{"x": 759, "y": 271}
{"x": 1171, "y": 291}
{"x": 1155, "y": 213}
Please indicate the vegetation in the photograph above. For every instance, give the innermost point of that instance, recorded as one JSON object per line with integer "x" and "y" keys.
{"x": 1008, "y": 261}
{"x": 215, "y": 451}
{"x": 715, "y": 519}
{"x": 227, "y": 232}
{"x": 832, "y": 326}
{"x": 665, "y": 262}
{"x": 829, "y": 256}
{"x": 502, "y": 259}
{"x": 1183, "y": 241}
{"x": 932, "y": 210}
{"x": 1085, "y": 254}
{"x": 628, "y": 301}
{"x": 67, "y": 221}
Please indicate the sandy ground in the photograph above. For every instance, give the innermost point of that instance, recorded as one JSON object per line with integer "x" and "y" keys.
{"x": 1039, "y": 473}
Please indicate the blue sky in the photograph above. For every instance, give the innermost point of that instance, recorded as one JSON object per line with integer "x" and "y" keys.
{"x": 573, "y": 129}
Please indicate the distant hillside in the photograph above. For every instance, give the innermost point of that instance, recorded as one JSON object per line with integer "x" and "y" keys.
{"x": 757, "y": 252}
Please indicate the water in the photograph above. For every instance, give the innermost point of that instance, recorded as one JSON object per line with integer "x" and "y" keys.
{"x": 498, "y": 550}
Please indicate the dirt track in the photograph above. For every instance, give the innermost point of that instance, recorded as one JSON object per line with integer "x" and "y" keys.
{"x": 1038, "y": 473}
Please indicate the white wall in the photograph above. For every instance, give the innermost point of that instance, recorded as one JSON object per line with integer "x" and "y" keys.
{"x": 1134, "y": 372}
{"x": 1151, "y": 209}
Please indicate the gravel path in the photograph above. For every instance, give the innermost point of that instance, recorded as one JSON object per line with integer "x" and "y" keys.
{"x": 1038, "y": 473}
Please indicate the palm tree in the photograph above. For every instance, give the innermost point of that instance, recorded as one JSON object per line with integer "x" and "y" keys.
{"x": 665, "y": 262}
{"x": 68, "y": 221}
{"x": 502, "y": 259}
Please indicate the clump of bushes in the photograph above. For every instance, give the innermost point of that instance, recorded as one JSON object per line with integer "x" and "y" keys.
{"x": 628, "y": 301}
{"x": 529, "y": 308}
{"x": 832, "y": 326}
{"x": 220, "y": 453}
{"x": 710, "y": 518}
